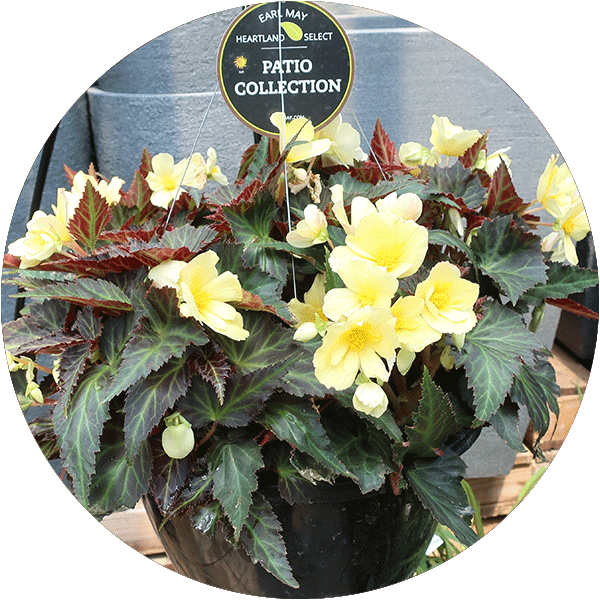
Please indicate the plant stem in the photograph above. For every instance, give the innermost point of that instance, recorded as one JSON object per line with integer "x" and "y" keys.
{"x": 208, "y": 435}
{"x": 393, "y": 399}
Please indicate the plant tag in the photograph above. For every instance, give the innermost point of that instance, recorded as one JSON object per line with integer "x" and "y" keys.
{"x": 291, "y": 57}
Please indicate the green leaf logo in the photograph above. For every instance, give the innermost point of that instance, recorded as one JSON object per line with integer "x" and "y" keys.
{"x": 294, "y": 31}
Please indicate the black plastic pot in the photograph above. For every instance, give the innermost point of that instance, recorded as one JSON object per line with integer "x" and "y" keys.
{"x": 342, "y": 543}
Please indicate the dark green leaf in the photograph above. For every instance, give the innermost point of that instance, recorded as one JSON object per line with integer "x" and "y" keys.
{"x": 535, "y": 387}
{"x": 492, "y": 354}
{"x": 262, "y": 541}
{"x": 149, "y": 399}
{"x": 85, "y": 291}
{"x": 193, "y": 238}
{"x": 269, "y": 343}
{"x": 245, "y": 396}
{"x": 439, "y": 237}
{"x": 434, "y": 420}
{"x": 79, "y": 430}
{"x": 297, "y": 422}
{"x": 384, "y": 423}
{"x": 563, "y": 280}
{"x": 456, "y": 182}
{"x": 168, "y": 478}
{"x": 437, "y": 484}
{"x": 506, "y": 423}
{"x": 233, "y": 462}
{"x": 366, "y": 455}
{"x": 510, "y": 256}
{"x": 295, "y": 487}
{"x": 72, "y": 363}
{"x": 160, "y": 336}
{"x": 118, "y": 483}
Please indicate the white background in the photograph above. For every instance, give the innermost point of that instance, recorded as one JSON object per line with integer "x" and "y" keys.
{"x": 546, "y": 51}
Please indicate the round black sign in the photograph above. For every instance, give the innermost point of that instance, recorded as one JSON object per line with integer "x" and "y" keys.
{"x": 291, "y": 57}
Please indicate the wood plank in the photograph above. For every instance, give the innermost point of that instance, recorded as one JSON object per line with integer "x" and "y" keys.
{"x": 570, "y": 375}
{"x": 558, "y": 428}
{"x": 497, "y": 495}
{"x": 134, "y": 528}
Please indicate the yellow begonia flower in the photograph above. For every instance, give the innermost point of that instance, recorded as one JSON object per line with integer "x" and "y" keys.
{"x": 46, "y": 234}
{"x": 407, "y": 207}
{"x": 309, "y": 231}
{"x": 301, "y": 133}
{"x": 345, "y": 144}
{"x": 359, "y": 208}
{"x": 366, "y": 285}
{"x": 398, "y": 246}
{"x": 448, "y": 299}
{"x": 109, "y": 190}
{"x": 451, "y": 140}
{"x": 360, "y": 343}
{"x": 556, "y": 189}
{"x": 369, "y": 398}
{"x": 166, "y": 178}
{"x": 413, "y": 331}
{"x": 309, "y": 315}
{"x": 413, "y": 154}
{"x": 571, "y": 226}
{"x": 212, "y": 170}
{"x": 203, "y": 294}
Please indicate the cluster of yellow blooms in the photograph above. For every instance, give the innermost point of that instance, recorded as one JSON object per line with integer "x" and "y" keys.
{"x": 365, "y": 332}
{"x": 48, "y": 234}
{"x": 558, "y": 194}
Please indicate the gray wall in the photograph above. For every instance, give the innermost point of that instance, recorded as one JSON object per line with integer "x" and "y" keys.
{"x": 156, "y": 97}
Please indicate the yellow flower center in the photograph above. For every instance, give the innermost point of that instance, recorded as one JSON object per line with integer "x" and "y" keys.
{"x": 367, "y": 297}
{"x": 170, "y": 184}
{"x": 201, "y": 297}
{"x": 389, "y": 256}
{"x": 569, "y": 226}
{"x": 359, "y": 337}
{"x": 441, "y": 296}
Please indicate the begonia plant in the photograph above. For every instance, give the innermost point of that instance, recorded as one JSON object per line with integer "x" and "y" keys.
{"x": 327, "y": 315}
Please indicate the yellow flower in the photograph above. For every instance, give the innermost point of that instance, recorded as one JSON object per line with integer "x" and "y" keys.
{"x": 204, "y": 294}
{"x": 398, "y": 246}
{"x": 309, "y": 231}
{"x": 451, "y": 140}
{"x": 109, "y": 190}
{"x": 413, "y": 332}
{"x": 370, "y": 399}
{"x": 46, "y": 234}
{"x": 359, "y": 208}
{"x": 571, "y": 226}
{"x": 413, "y": 154}
{"x": 212, "y": 170}
{"x": 407, "y": 207}
{"x": 166, "y": 178}
{"x": 366, "y": 285}
{"x": 345, "y": 144}
{"x": 448, "y": 299}
{"x": 301, "y": 133}
{"x": 309, "y": 316}
{"x": 556, "y": 188}
{"x": 360, "y": 343}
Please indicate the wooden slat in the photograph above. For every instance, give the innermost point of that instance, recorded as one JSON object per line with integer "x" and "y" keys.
{"x": 570, "y": 375}
{"x": 497, "y": 495}
{"x": 134, "y": 528}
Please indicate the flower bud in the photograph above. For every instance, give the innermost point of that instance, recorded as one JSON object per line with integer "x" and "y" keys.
{"x": 178, "y": 437}
{"x": 370, "y": 399}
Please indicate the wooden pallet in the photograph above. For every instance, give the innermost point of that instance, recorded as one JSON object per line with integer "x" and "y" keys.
{"x": 496, "y": 495}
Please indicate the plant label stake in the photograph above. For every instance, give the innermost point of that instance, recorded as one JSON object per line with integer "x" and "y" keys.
{"x": 294, "y": 53}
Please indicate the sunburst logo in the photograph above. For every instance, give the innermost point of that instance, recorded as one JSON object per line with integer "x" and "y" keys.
{"x": 240, "y": 62}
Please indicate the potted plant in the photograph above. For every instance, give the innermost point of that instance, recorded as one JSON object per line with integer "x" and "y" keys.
{"x": 290, "y": 365}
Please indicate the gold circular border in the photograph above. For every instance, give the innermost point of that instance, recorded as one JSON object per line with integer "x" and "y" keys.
{"x": 230, "y": 104}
